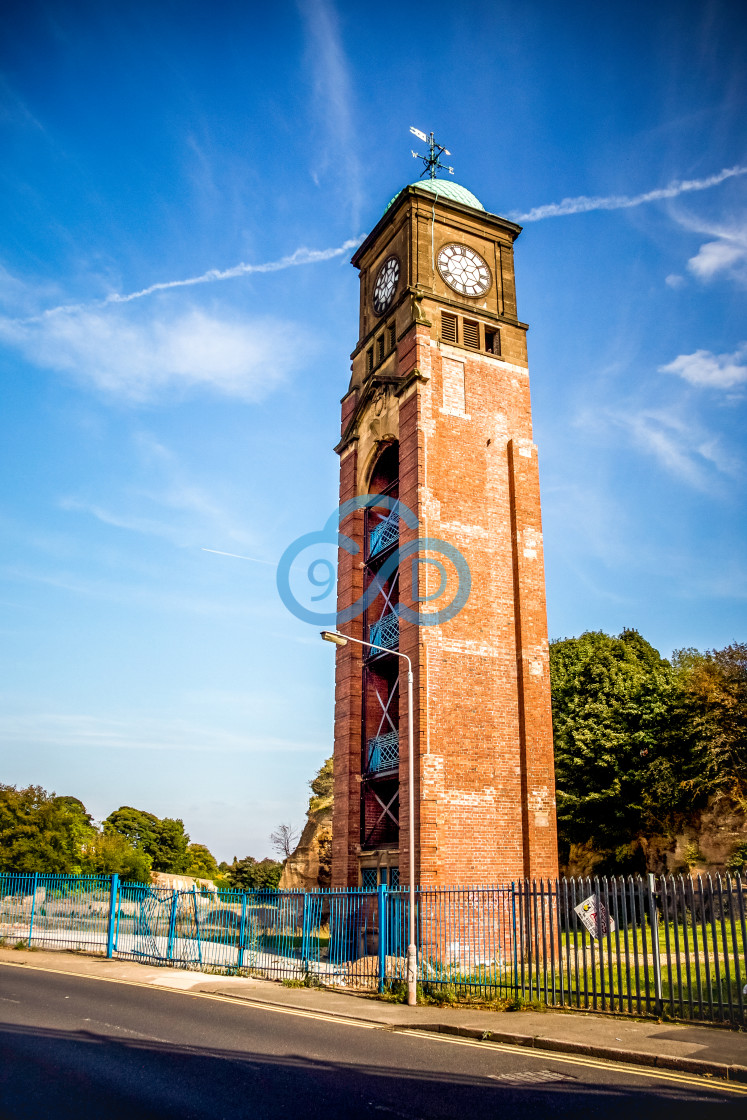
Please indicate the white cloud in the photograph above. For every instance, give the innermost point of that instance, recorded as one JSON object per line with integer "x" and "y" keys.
{"x": 674, "y": 281}
{"x": 682, "y": 448}
{"x": 334, "y": 99}
{"x": 300, "y": 256}
{"x": 717, "y": 256}
{"x": 724, "y": 253}
{"x": 141, "y": 359}
{"x": 583, "y": 203}
{"x": 713, "y": 371}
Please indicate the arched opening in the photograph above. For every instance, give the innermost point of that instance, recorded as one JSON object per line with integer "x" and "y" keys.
{"x": 380, "y": 708}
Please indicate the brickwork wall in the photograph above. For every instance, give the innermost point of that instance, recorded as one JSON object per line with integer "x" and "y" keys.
{"x": 484, "y": 785}
{"x": 347, "y": 749}
{"x": 487, "y": 797}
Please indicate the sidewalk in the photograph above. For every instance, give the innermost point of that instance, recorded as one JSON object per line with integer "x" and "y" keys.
{"x": 709, "y": 1051}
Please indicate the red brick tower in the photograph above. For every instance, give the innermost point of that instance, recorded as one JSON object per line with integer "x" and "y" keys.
{"x": 438, "y": 414}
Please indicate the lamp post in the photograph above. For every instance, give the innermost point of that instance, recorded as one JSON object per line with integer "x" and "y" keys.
{"x": 412, "y": 953}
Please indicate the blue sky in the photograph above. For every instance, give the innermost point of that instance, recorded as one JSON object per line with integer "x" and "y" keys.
{"x": 180, "y": 192}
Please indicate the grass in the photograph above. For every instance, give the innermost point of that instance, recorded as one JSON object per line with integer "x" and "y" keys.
{"x": 444, "y": 995}
{"x": 306, "y": 981}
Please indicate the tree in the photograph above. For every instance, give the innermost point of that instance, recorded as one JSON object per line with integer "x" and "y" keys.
{"x": 617, "y": 767}
{"x": 110, "y": 853}
{"x": 713, "y": 703}
{"x": 202, "y": 863}
{"x": 322, "y": 787}
{"x": 42, "y": 832}
{"x": 140, "y": 828}
{"x": 171, "y": 855}
{"x": 248, "y": 874}
{"x": 164, "y": 841}
{"x": 284, "y": 839}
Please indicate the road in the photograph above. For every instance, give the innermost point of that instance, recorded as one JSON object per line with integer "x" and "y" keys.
{"x": 73, "y": 1046}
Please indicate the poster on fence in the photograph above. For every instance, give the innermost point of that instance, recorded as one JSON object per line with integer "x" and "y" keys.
{"x": 594, "y": 915}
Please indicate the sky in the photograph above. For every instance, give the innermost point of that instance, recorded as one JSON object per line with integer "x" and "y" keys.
{"x": 181, "y": 189}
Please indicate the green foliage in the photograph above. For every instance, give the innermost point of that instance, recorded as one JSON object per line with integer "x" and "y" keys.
{"x": 41, "y": 832}
{"x": 164, "y": 841}
{"x": 737, "y": 862}
{"x": 616, "y": 769}
{"x": 110, "y": 853}
{"x": 172, "y": 855}
{"x": 322, "y": 787}
{"x": 641, "y": 744}
{"x": 713, "y": 703}
{"x": 137, "y": 826}
{"x": 202, "y": 864}
{"x": 249, "y": 874}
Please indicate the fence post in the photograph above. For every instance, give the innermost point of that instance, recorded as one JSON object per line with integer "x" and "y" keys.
{"x": 33, "y": 905}
{"x": 242, "y": 932}
{"x": 172, "y": 926}
{"x": 654, "y": 924}
{"x": 515, "y": 946}
{"x": 305, "y": 933}
{"x": 112, "y": 916}
{"x": 197, "y": 923}
{"x": 382, "y": 935}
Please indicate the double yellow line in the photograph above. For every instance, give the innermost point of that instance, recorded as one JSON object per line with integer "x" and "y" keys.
{"x": 690, "y": 1079}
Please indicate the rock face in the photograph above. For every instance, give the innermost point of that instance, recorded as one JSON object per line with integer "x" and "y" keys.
{"x": 180, "y": 882}
{"x": 308, "y": 867}
{"x": 705, "y": 844}
{"x": 709, "y": 843}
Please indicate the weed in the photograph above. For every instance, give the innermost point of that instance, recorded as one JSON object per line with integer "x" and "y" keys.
{"x": 308, "y": 980}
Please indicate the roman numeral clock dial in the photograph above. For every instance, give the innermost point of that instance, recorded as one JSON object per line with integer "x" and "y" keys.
{"x": 464, "y": 270}
{"x": 385, "y": 285}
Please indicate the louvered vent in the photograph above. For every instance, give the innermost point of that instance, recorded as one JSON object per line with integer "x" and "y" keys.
{"x": 471, "y": 333}
{"x": 379, "y": 349}
{"x": 448, "y": 327}
{"x": 391, "y": 337}
{"x": 369, "y": 360}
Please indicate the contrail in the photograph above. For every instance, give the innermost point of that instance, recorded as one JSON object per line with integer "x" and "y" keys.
{"x": 583, "y": 203}
{"x": 236, "y": 556}
{"x": 299, "y": 257}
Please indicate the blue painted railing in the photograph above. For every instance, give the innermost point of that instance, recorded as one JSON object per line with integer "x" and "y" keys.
{"x": 385, "y": 631}
{"x": 384, "y": 535}
{"x": 644, "y": 946}
{"x": 382, "y": 752}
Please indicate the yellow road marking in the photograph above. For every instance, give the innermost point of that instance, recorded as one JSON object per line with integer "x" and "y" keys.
{"x": 691, "y": 1079}
{"x": 237, "y": 999}
{"x": 594, "y": 1063}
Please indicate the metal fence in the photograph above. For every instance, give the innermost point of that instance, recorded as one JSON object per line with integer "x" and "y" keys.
{"x": 653, "y": 946}
{"x": 644, "y": 946}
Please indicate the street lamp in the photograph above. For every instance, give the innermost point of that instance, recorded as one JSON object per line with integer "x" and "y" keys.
{"x": 412, "y": 953}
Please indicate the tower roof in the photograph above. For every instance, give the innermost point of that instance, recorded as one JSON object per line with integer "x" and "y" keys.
{"x": 444, "y": 188}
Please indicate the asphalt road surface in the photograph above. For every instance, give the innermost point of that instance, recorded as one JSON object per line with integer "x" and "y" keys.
{"x": 78, "y": 1047}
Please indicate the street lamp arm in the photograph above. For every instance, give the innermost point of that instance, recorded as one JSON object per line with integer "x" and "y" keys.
{"x": 339, "y": 639}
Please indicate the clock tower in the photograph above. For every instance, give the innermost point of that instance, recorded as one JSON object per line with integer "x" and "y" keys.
{"x": 437, "y": 417}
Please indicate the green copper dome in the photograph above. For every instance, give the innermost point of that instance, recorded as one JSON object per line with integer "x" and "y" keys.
{"x": 444, "y": 188}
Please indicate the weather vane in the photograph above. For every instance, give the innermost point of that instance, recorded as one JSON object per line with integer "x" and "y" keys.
{"x": 433, "y": 161}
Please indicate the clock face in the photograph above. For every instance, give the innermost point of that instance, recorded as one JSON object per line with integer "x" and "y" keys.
{"x": 464, "y": 270}
{"x": 386, "y": 285}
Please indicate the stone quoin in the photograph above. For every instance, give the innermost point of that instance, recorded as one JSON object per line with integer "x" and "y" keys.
{"x": 438, "y": 415}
